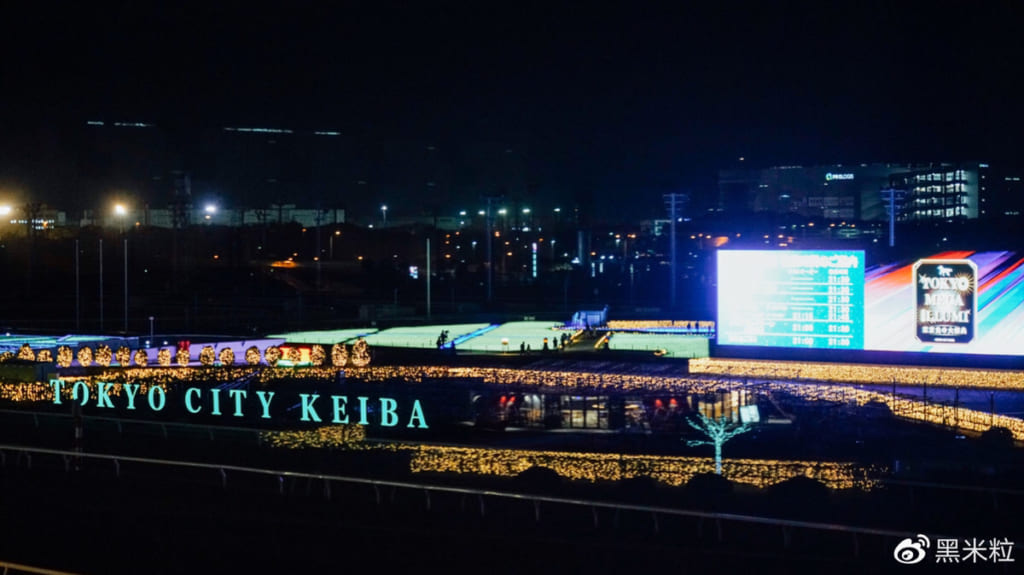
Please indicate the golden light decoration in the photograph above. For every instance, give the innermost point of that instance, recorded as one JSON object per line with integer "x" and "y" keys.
{"x": 339, "y": 355}
{"x": 85, "y": 356}
{"x": 64, "y": 356}
{"x": 207, "y": 355}
{"x": 182, "y": 357}
{"x": 104, "y": 355}
{"x": 45, "y": 356}
{"x": 141, "y": 358}
{"x": 272, "y": 355}
{"x": 163, "y": 357}
{"x": 6, "y": 356}
{"x": 360, "y": 353}
{"x": 328, "y": 436}
{"x": 294, "y": 355}
{"x": 252, "y": 355}
{"x": 123, "y": 356}
{"x": 317, "y": 355}
{"x": 227, "y": 356}
{"x": 25, "y": 352}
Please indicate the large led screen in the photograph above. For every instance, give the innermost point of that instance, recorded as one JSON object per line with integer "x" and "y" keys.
{"x": 949, "y": 302}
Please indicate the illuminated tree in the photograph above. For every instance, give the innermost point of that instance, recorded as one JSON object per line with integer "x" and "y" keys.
{"x": 294, "y": 355}
{"x": 45, "y": 356}
{"x": 64, "y": 356}
{"x": 104, "y": 355}
{"x": 163, "y": 357}
{"x": 360, "y": 353}
{"x": 85, "y": 356}
{"x": 339, "y": 355}
{"x": 123, "y": 356}
{"x": 207, "y": 355}
{"x": 141, "y": 358}
{"x": 227, "y": 356}
{"x": 252, "y": 355}
{"x": 718, "y": 431}
{"x": 25, "y": 352}
{"x": 317, "y": 355}
{"x": 272, "y": 355}
{"x": 6, "y": 356}
{"x": 182, "y": 357}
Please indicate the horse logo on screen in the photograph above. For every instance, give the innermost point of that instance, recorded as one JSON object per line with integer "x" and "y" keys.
{"x": 945, "y": 293}
{"x": 911, "y": 551}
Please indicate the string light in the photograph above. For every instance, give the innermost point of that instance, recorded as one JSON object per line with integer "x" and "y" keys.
{"x": 252, "y": 355}
{"x": 141, "y": 359}
{"x": 64, "y": 356}
{"x": 272, "y": 354}
{"x": 123, "y": 356}
{"x": 85, "y": 356}
{"x": 104, "y": 356}
{"x": 317, "y": 355}
{"x": 206, "y": 355}
{"x": 45, "y": 356}
{"x": 227, "y": 356}
{"x": 360, "y": 353}
{"x": 339, "y": 355}
{"x": 25, "y": 352}
{"x": 163, "y": 357}
{"x": 182, "y": 357}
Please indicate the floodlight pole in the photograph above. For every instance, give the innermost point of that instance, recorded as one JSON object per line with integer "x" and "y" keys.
{"x": 428, "y": 278}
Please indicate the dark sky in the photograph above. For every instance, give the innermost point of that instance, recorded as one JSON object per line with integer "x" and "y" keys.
{"x": 608, "y": 101}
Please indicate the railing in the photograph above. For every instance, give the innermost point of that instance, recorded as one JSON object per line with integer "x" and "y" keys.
{"x": 223, "y": 472}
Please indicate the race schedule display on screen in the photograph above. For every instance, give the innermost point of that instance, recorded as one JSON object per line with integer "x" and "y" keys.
{"x": 805, "y": 299}
{"x": 961, "y": 302}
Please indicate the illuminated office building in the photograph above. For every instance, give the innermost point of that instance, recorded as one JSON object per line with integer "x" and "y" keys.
{"x": 855, "y": 191}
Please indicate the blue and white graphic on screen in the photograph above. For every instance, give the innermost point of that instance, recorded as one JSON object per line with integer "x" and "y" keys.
{"x": 804, "y": 299}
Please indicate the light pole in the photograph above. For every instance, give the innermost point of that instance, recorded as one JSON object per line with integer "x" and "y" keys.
{"x": 384, "y": 216}
{"x": 331, "y": 243}
{"x": 122, "y": 212}
{"x": 150, "y": 331}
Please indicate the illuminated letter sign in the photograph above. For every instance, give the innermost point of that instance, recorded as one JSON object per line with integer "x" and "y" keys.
{"x": 946, "y": 303}
{"x": 829, "y": 177}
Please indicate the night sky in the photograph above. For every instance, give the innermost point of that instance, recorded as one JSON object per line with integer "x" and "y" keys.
{"x": 606, "y": 102}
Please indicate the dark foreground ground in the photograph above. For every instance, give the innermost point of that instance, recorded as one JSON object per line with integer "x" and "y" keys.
{"x": 131, "y": 517}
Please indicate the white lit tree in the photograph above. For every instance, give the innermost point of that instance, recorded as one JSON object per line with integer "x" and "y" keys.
{"x": 719, "y": 430}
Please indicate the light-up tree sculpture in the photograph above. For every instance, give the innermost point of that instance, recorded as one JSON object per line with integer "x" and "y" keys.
{"x": 339, "y": 355}
{"x": 718, "y": 430}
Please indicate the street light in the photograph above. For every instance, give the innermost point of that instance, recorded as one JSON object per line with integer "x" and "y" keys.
{"x": 384, "y": 216}
{"x": 121, "y": 211}
{"x": 210, "y": 210}
{"x": 331, "y": 242}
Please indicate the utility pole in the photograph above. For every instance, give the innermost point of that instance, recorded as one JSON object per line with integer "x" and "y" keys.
{"x": 428, "y": 278}
{"x": 675, "y": 204}
{"x": 101, "y": 285}
{"x": 489, "y": 232}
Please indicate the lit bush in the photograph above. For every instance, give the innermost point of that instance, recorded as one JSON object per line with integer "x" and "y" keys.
{"x": 141, "y": 358}
{"x": 163, "y": 357}
{"x": 123, "y": 356}
{"x": 361, "y": 353}
{"x": 45, "y": 356}
{"x": 182, "y": 357}
{"x": 227, "y": 356}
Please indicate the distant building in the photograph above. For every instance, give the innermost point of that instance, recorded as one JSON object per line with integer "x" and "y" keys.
{"x": 853, "y": 192}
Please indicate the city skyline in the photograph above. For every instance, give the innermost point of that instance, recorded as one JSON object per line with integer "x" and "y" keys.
{"x": 598, "y": 104}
